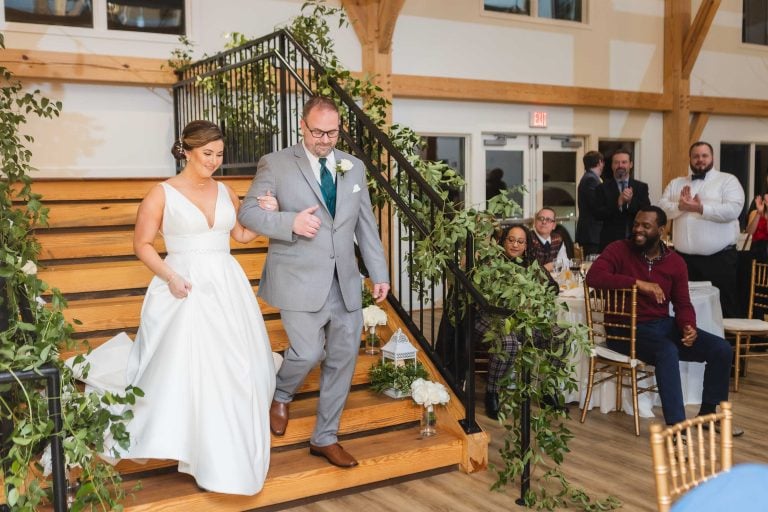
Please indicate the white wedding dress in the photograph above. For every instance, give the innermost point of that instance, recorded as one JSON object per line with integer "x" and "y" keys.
{"x": 204, "y": 362}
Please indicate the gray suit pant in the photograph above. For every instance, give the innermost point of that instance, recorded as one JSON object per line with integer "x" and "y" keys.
{"x": 336, "y": 331}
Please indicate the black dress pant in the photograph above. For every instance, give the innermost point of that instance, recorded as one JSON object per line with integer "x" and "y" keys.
{"x": 722, "y": 269}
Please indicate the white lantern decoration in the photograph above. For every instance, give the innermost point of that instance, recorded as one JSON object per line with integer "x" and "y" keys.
{"x": 399, "y": 351}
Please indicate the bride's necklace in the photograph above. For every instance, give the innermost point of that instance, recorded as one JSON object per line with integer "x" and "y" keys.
{"x": 196, "y": 183}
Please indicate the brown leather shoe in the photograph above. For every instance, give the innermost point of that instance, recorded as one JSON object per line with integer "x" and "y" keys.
{"x": 335, "y": 454}
{"x": 278, "y": 417}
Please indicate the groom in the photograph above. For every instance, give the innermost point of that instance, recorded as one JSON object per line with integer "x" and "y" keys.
{"x": 311, "y": 272}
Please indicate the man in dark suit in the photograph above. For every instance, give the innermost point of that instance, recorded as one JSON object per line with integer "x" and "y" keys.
{"x": 618, "y": 201}
{"x": 588, "y": 227}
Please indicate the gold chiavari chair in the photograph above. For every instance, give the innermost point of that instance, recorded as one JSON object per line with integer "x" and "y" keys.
{"x": 612, "y": 315}
{"x": 742, "y": 329}
{"x": 686, "y": 454}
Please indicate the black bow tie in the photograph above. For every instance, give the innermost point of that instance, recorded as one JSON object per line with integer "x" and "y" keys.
{"x": 698, "y": 176}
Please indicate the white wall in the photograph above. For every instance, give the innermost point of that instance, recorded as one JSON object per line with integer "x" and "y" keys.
{"x": 126, "y": 130}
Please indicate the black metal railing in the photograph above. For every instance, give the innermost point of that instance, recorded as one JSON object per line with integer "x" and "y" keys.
{"x": 282, "y": 77}
{"x": 52, "y": 377}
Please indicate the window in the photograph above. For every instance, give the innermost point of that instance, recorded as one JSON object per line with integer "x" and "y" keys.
{"x": 156, "y": 16}
{"x": 754, "y": 25}
{"x": 450, "y": 151}
{"x": 163, "y": 16}
{"x": 569, "y": 10}
{"x": 749, "y": 163}
{"x": 72, "y": 13}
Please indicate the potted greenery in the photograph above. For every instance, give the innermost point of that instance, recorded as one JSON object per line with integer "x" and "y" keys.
{"x": 395, "y": 381}
{"x": 398, "y": 368}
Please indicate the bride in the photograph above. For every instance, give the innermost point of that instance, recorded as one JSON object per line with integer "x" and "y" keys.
{"x": 201, "y": 354}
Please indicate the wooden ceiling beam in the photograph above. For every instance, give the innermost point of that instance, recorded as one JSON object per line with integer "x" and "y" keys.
{"x": 698, "y": 122}
{"x": 80, "y": 67}
{"x": 389, "y": 11}
{"x": 729, "y": 106}
{"x": 463, "y": 89}
{"x": 697, "y": 33}
{"x": 357, "y": 12}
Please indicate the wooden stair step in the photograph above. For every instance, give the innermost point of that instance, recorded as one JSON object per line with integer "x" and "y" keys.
{"x": 121, "y": 275}
{"x": 294, "y": 474}
{"x": 364, "y": 410}
{"x": 59, "y": 245}
{"x": 124, "y": 312}
{"x": 100, "y": 189}
{"x": 78, "y": 215}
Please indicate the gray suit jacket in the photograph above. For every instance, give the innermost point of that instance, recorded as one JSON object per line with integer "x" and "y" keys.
{"x": 299, "y": 271}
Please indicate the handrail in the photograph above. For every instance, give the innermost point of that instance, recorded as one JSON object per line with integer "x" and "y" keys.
{"x": 52, "y": 377}
{"x": 293, "y": 76}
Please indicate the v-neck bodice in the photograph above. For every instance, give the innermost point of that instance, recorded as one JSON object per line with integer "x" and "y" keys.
{"x": 185, "y": 227}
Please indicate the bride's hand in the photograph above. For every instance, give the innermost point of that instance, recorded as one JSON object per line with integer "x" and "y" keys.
{"x": 179, "y": 286}
{"x": 268, "y": 202}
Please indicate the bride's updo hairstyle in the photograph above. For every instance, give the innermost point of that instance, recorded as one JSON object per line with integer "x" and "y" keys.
{"x": 196, "y": 134}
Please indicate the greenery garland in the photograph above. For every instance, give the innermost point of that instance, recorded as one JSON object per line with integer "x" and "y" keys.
{"x": 31, "y": 332}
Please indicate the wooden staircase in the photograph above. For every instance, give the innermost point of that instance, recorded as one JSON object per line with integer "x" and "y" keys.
{"x": 87, "y": 253}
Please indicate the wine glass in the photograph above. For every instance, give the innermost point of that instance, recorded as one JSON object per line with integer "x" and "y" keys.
{"x": 557, "y": 267}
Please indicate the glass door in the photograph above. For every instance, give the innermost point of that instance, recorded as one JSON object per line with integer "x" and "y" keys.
{"x": 508, "y": 168}
{"x": 558, "y": 169}
{"x": 546, "y": 165}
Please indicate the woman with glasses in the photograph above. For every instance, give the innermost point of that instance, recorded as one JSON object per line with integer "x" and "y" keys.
{"x": 516, "y": 241}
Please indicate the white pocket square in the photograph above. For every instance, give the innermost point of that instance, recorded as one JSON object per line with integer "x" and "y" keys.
{"x": 356, "y": 189}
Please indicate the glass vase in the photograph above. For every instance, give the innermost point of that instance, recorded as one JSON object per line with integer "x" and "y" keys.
{"x": 372, "y": 342}
{"x": 428, "y": 421}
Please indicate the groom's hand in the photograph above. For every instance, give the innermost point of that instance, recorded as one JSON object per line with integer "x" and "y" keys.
{"x": 380, "y": 291}
{"x": 305, "y": 223}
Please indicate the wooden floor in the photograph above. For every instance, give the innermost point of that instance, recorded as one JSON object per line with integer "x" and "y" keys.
{"x": 624, "y": 470}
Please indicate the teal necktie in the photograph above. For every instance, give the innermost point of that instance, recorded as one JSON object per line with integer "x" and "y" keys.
{"x": 327, "y": 187}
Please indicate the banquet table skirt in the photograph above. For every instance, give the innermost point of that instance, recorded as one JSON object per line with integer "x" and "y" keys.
{"x": 706, "y": 301}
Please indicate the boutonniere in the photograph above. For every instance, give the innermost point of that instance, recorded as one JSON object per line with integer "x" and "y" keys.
{"x": 342, "y": 166}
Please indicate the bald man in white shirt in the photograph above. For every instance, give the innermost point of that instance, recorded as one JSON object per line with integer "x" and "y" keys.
{"x": 705, "y": 207}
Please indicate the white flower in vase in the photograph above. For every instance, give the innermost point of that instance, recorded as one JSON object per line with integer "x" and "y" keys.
{"x": 372, "y": 316}
{"x": 428, "y": 394}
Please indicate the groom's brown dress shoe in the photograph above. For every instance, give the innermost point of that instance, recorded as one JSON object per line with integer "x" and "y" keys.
{"x": 278, "y": 417}
{"x": 335, "y": 454}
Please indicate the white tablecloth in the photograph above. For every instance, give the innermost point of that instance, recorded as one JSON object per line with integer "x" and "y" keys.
{"x": 706, "y": 301}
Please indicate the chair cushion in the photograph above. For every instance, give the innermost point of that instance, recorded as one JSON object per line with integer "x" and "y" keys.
{"x": 602, "y": 350}
{"x": 744, "y": 324}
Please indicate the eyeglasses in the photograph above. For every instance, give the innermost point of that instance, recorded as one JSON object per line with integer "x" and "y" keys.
{"x": 545, "y": 220}
{"x": 318, "y": 134}
{"x": 516, "y": 241}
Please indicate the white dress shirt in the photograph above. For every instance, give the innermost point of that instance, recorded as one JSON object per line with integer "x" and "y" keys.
{"x": 314, "y": 161}
{"x": 706, "y": 233}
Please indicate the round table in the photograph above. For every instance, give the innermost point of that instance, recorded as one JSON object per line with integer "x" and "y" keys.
{"x": 706, "y": 302}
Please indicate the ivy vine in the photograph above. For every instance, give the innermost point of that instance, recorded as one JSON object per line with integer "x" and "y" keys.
{"x": 31, "y": 334}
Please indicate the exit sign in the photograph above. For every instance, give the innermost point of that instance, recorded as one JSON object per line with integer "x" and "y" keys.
{"x": 538, "y": 119}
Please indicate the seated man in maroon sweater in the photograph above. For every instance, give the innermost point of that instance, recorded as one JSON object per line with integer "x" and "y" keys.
{"x": 661, "y": 277}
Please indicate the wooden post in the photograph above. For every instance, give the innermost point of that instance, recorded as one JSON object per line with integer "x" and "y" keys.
{"x": 374, "y": 23}
{"x": 677, "y": 19}
{"x": 682, "y": 43}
